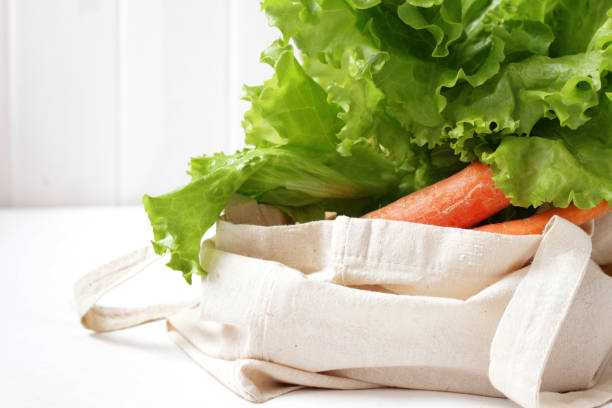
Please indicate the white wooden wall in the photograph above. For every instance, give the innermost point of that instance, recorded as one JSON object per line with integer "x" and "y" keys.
{"x": 102, "y": 101}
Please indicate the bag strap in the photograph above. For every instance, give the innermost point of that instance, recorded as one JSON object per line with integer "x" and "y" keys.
{"x": 533, "y": 318}
{"x": 90, "y": 288}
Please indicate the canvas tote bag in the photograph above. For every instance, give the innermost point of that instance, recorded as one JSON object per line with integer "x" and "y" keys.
{"x": 354, "y": 303}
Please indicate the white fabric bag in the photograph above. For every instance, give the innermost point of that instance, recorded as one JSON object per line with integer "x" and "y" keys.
{"x": 354, "y": 303}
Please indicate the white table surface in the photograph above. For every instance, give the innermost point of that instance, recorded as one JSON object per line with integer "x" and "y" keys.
{"x": 47, "y": 359}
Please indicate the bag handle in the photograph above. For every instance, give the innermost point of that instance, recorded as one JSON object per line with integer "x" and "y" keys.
{"x": 90, "y": 288}
{"x": 533, "y": 318}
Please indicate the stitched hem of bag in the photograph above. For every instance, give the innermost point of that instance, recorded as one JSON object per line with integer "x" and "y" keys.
{"x": 345, "y": 256}
{"x": 232, "y": 383}
{"x": 269, "y": 295}
{"x": 305, "y": 268}
{"x": 91, "y": 286}
{"x": 234, "y": 378}
{"x": 407, "y": 267}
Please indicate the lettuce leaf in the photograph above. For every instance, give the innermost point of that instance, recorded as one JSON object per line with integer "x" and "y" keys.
{"x": 181, "y": 218}
{"x": 559, "y": 165}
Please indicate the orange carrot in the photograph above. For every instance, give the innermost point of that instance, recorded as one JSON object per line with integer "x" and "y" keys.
{"x": 462, "y": 200}
{"x": 536, "y": 223}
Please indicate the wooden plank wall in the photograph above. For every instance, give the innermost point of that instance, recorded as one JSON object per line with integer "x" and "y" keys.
{"x": 106, "y": 100}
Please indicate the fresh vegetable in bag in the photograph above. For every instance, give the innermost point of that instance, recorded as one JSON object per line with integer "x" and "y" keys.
{"x": 386, "y": 97}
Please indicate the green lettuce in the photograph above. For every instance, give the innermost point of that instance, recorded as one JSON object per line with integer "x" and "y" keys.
{"x": 380, "y": 98}
{"x": 559, "y": 165}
